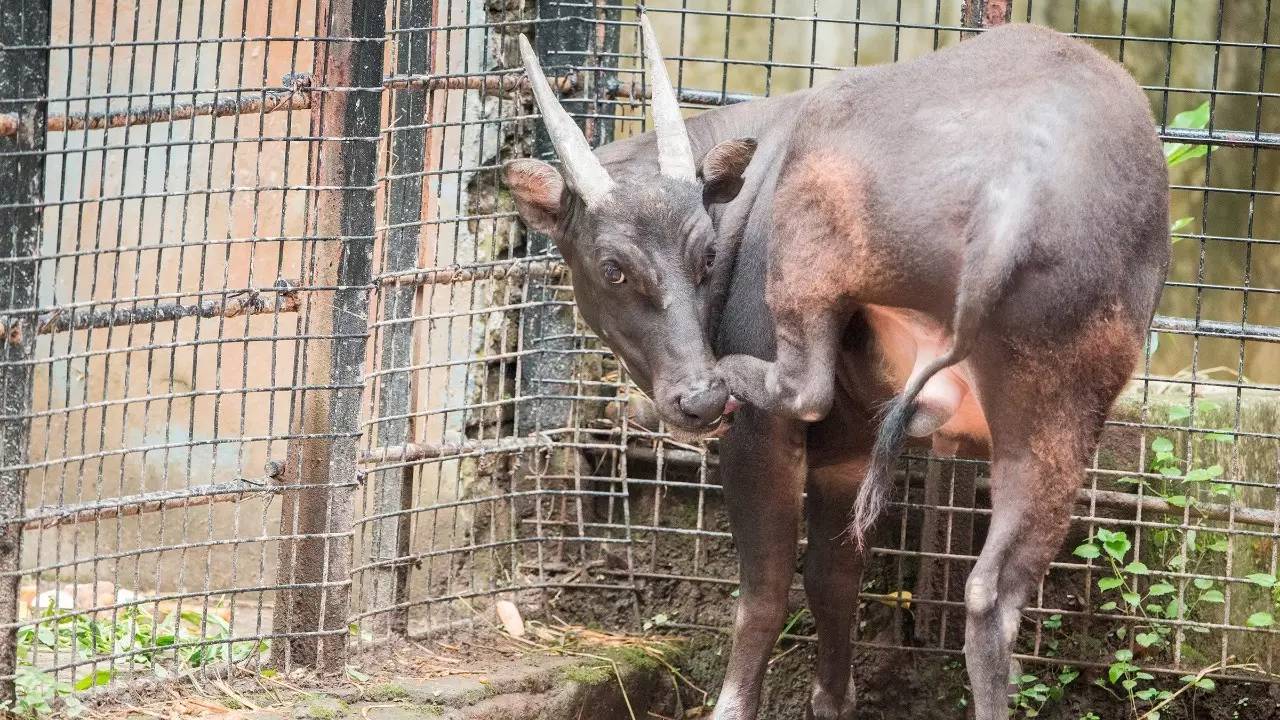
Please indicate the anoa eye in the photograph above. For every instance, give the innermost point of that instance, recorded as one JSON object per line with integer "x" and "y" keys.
{"x": 614, "y": 275}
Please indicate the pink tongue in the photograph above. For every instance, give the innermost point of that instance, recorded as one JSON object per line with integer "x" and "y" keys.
{"x": 731, "y": 405}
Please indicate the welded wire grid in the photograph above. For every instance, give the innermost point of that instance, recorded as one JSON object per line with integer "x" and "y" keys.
{"x": 504, "y": 455}
{"x": 533, "y": 474}
{"x": 179, "y": 298}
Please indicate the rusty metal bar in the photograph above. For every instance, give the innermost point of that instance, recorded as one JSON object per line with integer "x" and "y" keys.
{"x": 23, "y": 77}
{"x": 344, "y": 162}
{"x": 294, "y": 97}
{"x": 142, "y": 503}
{"x": 250, "y": 302}
{"x": 513, "y": 271}
{"x": 414, "y": 452}
{"x": 489, "y": 83}
{"x": 1084, "y": 497}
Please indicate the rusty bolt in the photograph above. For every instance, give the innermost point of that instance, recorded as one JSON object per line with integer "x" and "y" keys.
{"x": 274, "y": 469}
{"x": 12, "y": 331}
{"x": 297, "y": 82}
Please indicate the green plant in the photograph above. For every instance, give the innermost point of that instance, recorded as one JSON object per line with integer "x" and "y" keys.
{"x": 1033, "y": 693}
{"x": 179, "y": 642}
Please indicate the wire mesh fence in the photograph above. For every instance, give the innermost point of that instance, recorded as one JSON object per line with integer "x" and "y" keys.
{"x": 284, "y": 374}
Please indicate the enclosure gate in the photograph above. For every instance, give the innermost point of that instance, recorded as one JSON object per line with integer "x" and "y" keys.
{"x": 203, "y": 271}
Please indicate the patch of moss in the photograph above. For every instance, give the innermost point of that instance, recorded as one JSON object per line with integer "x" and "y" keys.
{"x": 384, "y": 692}
{"x": 484, "y": 692}
{"x": 319, "y": 707}
{"x": 588, "y": 674}
{"x": 631, "y": 656}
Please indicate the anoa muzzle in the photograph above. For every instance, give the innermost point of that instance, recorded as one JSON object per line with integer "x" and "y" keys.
{"x": 961, "y": 253}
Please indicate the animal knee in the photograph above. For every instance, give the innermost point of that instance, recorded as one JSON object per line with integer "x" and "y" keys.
{"x": 980, "y": 594}
{"x": 806, "y": 398}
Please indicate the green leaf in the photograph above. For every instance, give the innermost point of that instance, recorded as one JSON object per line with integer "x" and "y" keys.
{"x": 101, "y": 677}
{"x": 1117, "y": 545}
{"x": 1221, "y": 437}
{"x": 1153, "y": 343}
{"x": 1088, "y": 551}
{"x": 1109, "y": 583}
{"x": 1159, "y": 589}
{"x": 1136, "y": 568}
{"x": 354, "y": 673}
{"x": 1260, "y": 620}
{"x": 1179, "y": 224}
{"x": 1220, "y": 545}
{"x": 1124, "y": 655}
{"x": 1108, "y": 607}
{"x": 1147, "y": 694}
{"x": 1133, "y": 598}
{"x": 1178, "y": 500}
{"x": 1262, "y": 579}
{"x": 1212, "y": 596}
{"x": 1162, "y": 444}
{"x": 1146, "y": 640}
{"x": 1196, "y": 118}
{"x": 1173, "y": 609}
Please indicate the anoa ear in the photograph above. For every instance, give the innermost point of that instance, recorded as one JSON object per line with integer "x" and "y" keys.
{"x": 721, "y": 169}
{"x": 537, "y": 187}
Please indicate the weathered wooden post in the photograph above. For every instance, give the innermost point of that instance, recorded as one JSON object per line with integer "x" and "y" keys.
{"x": 24, "y": 72}
{"x": 316, "y": 520}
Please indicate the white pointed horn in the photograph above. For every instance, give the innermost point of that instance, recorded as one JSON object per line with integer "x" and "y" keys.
{"x": 675, "y": 154}
{"x": 582, "y": 169}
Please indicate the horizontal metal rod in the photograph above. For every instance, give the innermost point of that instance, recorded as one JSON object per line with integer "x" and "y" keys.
{"x": 1084, "y": 496}
{"x": 490, "y": 83}
{"x": 411, "y": 452}
{"x": 1216, "y": 328}
{"x": 48, "y": 517}
{"x": 294, "y": 97}
{"x": 251, "y": 302}
{"x": 518, "y": 270}
{"x": 297, "y": 97}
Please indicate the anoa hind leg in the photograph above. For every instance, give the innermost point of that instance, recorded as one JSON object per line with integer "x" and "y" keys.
{"x": 1045, "y": 404}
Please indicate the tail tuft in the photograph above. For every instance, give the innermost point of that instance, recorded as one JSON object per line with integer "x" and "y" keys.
{"x": 873, "y": 495}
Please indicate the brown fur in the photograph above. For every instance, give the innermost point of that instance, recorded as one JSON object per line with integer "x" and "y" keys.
{"x": 822, "y": 210}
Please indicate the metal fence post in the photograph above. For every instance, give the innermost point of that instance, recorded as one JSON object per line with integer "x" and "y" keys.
{"x": 24, "y": 71}
{"x": 947, "y": 482}
{"x": 985, "y": 13}
{"x": 317, "y": 514}
{"x": 392, "y": 489}
{"x": 548, "y": 329}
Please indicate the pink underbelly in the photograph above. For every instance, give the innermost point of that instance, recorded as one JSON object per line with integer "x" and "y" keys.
{"x": 948, "y": 405}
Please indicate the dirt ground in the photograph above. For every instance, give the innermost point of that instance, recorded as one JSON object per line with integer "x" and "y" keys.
{"x": 892, "y": 683}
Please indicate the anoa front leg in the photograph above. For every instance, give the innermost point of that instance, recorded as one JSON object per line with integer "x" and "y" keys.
{"x": 762, "y": 466}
